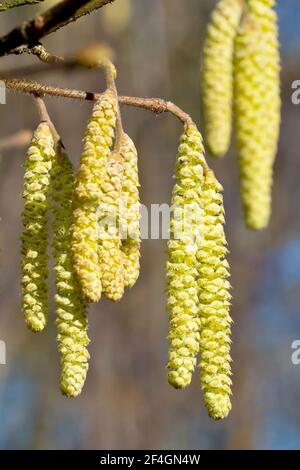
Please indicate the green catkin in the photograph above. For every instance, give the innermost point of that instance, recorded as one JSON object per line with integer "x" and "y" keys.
{"x": 182, "y": 289}
{"x": 257, "y": 108}
{"x": 130, "y": 193}
{"x": 34, "y": 257}
{"x": 110, "y": 254}
{"x": 88, "y": 192}
{"x": 214, "y": 304}
{"x": 72, "y": 323}
{"x": 217, "y": 75}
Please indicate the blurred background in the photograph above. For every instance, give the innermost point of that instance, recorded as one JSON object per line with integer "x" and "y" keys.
{"x": 127, "y": 402}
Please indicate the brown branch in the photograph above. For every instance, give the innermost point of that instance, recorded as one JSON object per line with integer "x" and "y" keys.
{"x": 30, "y": 32}
{"x": 156, "y": 105}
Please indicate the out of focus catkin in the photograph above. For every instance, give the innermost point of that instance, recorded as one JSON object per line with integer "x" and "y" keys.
{"x": 257, "y": 108}
{"x": 217, "y": 75}
{"x": 34, "y": 257}
{"x": 72, "y": 323}
{"x": 88, "y": 193}
{"x": 182, "y": 288}
{"x": 214, "y": 303}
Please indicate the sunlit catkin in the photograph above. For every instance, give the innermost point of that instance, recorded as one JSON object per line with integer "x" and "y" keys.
{"x": 34, "y": 256}
{"x": 186, "y": 235}
{"x": 131, "y": 206}
{"x": 214, "y": 304}
{"x": 217, "y": 75}
{"x": 110, "y": 253}
{"x": 88, "y": 192}
{"x": 257, "y": 108}
{"x": 72, "y": 323}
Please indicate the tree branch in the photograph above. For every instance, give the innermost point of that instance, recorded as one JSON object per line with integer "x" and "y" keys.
{"x": 30, "y": 32}
{"x": 7, "y": 4}
{"x": 156, "y": 105}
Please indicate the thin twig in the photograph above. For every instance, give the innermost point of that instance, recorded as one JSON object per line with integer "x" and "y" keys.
{"x": 156, "y": 105}
{"x": 30, "y": 32}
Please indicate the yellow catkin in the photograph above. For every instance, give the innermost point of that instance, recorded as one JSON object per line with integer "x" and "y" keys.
{"x": 182, "y": 289}
{"x": 110, "y": 254}
{"x": 214, "y": 304}
{"x": 88, "y": 192}
{"x": 131, "y": 202}
{"x": 72, "y": 323}
{"x": 257, "y": 108}
{"x": 34, "y": 256}
{"x": 217, "y": 75}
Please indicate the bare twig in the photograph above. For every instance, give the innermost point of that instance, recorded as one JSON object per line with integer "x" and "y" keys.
{"x": 156, "y": 105}
{"x": 30, "y": 32}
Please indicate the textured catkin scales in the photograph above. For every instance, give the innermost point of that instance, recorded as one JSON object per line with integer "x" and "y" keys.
{"x": 217, "y": 75}
{"x": 131, "y": 201}
{"x": 214, "y": 304}
{"x": 182, "y": 289}
{"x": 88, "y": 192}
{"x": 257, "y": 108}
{"x": 72, "y": 323}
{"x": 34, "y": 256}
{"x": 110, "y": 254}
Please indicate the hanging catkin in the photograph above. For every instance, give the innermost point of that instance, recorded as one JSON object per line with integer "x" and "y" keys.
{"x": 34, "y": 256}
{"x": 97, "y": 144}
{"x": 182, "y": 290}
{"x": 257, "y": 108}
{"x": 131, "y": 201}
{"x": 110, "y": 254}
{"x": 217, "y": 75}
{"x": 72, "y": 323}
{"x": 214, "y": 303}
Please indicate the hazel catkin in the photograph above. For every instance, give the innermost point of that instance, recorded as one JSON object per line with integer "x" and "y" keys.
{"x": 88, "y": 192}
{"x": 131, "y": 202}
{"x": 110, "y": 254}
{"x": 217, "y": 75}
{"x": 214, "y": 303}
{"x": 72, "y": 322}
{"x": 257, "y": 108}
{"x": 34, "y": 255}
{"x": 182, "y": 289}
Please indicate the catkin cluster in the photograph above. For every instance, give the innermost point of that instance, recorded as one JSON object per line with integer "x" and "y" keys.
{"x": 241, "y": 69}
{"x": 182, "y": 290}
{"x": 130, "y": 220}
{"x": 72, "y": 322}
{"x": 217, "y": 75}
{"x": 198, "y": 297}
{"x": 34, "y": 257}
{"x": 88, "y": 193}
{"x": 257, "y": 108}
{"x": 214, "y": 303}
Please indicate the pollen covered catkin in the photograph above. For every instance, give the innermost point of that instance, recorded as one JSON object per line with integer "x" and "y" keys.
{"x": 72, "y": 323}
{"x": 217, "y": 75}
{"x": 88, "y": 192}
{"x": 110, "y": 254}
{"x": 257, "y": 108}
{"x": 214, "y": 304}
{"x": 34, "y": 257}
{"x": 182, "y": 289}
{"x": 130, "y": 197}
